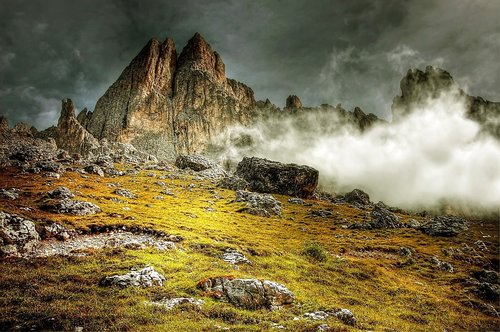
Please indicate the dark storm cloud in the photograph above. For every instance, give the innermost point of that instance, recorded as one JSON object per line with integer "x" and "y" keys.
{"x": 349, "y": 52}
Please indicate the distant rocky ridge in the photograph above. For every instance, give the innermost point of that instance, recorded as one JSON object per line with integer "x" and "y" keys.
{"x": 418, "y": 86}
{"x": 165, "y": 104}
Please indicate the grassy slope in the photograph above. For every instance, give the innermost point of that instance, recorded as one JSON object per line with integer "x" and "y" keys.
{"x": 360, "y": 272}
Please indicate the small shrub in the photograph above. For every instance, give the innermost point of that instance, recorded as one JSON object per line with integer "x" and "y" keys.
{"x": 314, "y": 250}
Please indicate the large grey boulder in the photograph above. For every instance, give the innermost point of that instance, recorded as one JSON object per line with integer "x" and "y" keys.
{"x": 248, "y": 293}
{"x": 263, "y": 205}
{"x": 357, "y": 197}
{"x": 444, "y": 226}
{"x": 60, "y": 193}
{"x": 267, "y": 176}
{"x": 147, "y": 277}
{"x": 380, "y": 219}
{"x": 71, "y": 206}
{"x": 17, "y": 235}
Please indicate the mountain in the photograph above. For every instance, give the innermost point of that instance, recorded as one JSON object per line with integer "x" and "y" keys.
{"x": 169, "y": 102}
{"x": 418, "y": 86}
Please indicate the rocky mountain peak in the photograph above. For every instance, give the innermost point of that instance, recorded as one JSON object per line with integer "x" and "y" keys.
{"x": 198, "y": 55}
{"x": 162, "y": 102}
{"x": 4, "y": 124}
{"x": 67, "y": 112}
{"x": 417, "y": 86}
{"x": 293, "y": 102}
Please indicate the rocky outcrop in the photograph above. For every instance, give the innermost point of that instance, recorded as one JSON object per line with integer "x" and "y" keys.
{"x": 267, "y": 176}
{"x": 418, "y": 86}
{"x": 17, "y": 235}
{"x": 380, "y": 219}
{"x": 444, "y": 226}
{"x": 70, "y": 206}
{"x": 293, "y": 102}
{"x": 162, "y": 103}
{"x": 69, "y": 134}
{"x": 4, "y": 125}
{"x": 263, "y": 205}
{"x": 147, "y": 277}
{"x": 248, "y": 293}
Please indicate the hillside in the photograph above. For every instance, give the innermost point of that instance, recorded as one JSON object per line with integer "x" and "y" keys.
{"x": 332, "y": 252}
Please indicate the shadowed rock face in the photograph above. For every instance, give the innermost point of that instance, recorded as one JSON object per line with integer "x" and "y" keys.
{"x": 161, "y": 100}
{"x": 267, "y": 176}
{"x": 418, "y": 86}
{"x": 293, "y": 102}
{"x": 69, "y": 133}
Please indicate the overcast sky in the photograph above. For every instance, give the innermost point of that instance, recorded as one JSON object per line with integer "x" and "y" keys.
{"x": 348, "y": 52}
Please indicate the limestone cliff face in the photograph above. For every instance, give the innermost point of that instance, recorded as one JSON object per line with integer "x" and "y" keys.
{"x": 205, "y": 101}
{"x": 162, "y": 101}
{"x": 140, "y": 100}
{"x": 418, "y": 86}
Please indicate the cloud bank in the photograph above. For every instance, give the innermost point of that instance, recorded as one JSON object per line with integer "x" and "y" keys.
{"x": 434, "y": 155}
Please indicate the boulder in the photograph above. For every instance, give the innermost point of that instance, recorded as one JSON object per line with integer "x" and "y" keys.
{"x": 71, "y": 206}
{"x": 267, "y": 176}
{"x": 264, "y": 205}
{"x": 380, "y": 219}
{"x": 444, "y": 226}
{"x": 94, "y": 169}
{"x": 17, "y": 235}
{"x": 195, "y": 162}
{"x": 170, "y": 304}
{"x": 233, "y": 182}
{"x": 147, "y": 277}
{"x": 234, "y": 257}
{"x": 57, "y": 231}
{"x": 124, "y": 193}
{"x": 248, "y": 293}
{"x": 357, "y": 197}
{"x": 12, "y": 193}
{"x": 60, "y": 193}
{"x": 383, "y": 218}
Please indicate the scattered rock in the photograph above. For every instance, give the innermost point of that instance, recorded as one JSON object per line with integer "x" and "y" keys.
{"x": 383, "y": 218}
{"x": 195, "y": 162}
{"x": 60, "y": 193}
{"x": 380, "y": 219}
{"x": 404, "y": 251}
{"x": 234, "y": 257}
{"x": 267, "y": 176}
{"x": 17, "y": 235}
{"x": 124, "y": 193}
{"x": 12, "y": 193}
{"x": 264, "y": 205}
{"x": 447, "y": 267}
{"x": 317, "y": 315}
{"x": 444, "y": 226}
{"x": 346, "y": 316}
{"x": 414, "y": 224}
{"x": 71, "y": 206}
{"x": 248, "y": 293}
{"x": 55, "y": 230}
{"x": 52, "y": 175}
{"x": 170, "y": 304}
{"x": 233, "y": 182}
{"x": 147, "y": 277}
{"x": 322, "y": 213}
{"x": 94, "y": 169}
{"x": 296, "y": 200}
{"x": 357, "y": 197}
{"x": 121, "y": 239}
